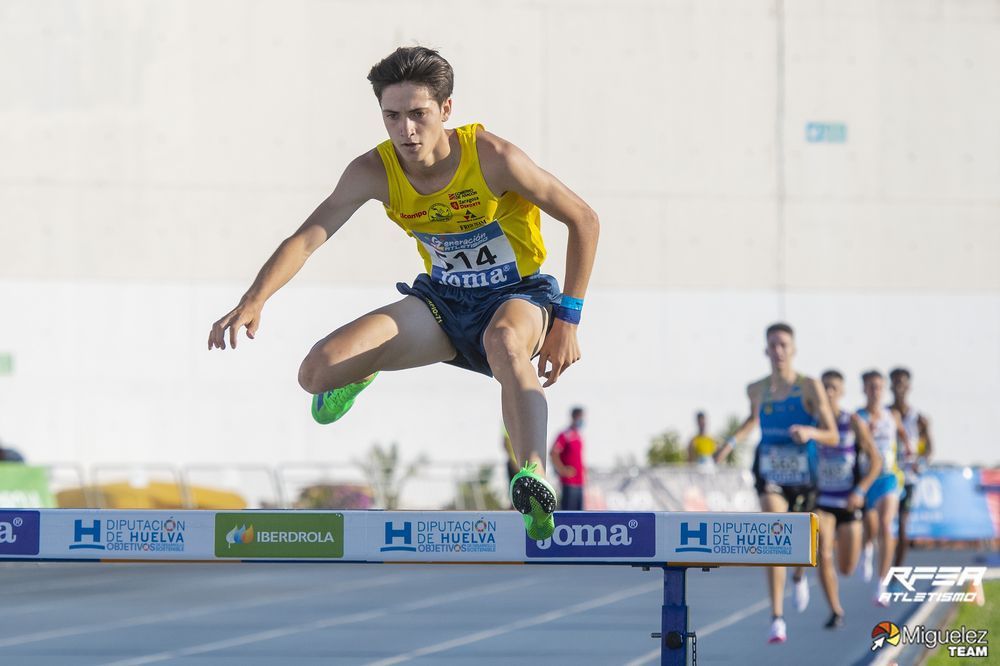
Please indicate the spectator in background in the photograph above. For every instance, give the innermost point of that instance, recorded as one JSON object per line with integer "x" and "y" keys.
{"x": 9, "y": 455}
{"x": 567, "y": 458}
{"x": 702, "y": 447}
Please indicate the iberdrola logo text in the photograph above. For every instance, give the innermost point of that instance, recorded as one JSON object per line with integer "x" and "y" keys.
{"x": 279, "y": 535}
{"x": 244, "y": 534}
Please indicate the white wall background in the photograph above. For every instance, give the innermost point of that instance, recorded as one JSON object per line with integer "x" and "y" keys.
{"x": 152, "y": 155}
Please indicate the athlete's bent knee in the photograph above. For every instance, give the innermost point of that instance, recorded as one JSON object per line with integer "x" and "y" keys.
{"x": 504, "y": 348}
{"x": 309, "y": 376}
{"x": 317, "y": 374}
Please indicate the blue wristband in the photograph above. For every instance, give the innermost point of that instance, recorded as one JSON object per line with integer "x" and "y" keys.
{"x": 566, "y": 314}
{"x": 571, "y": 303}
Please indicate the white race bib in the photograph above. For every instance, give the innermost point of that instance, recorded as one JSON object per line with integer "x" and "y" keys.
{"x": 479, "y": 258}
{"x": 836, "y": 473}
{"x": 785, "y": 466}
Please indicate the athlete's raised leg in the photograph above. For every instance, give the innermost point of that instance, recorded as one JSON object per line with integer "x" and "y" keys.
{"x": 513, "y": 335}
{"x": 397, "y": 336}
{"x": 511, "y": 339}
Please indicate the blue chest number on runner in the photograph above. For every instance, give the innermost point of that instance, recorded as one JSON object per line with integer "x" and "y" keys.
{"x": 479, "y": 258}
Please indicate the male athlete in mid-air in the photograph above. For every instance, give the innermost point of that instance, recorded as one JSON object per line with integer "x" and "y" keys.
{"x": 471, "y": 202}
{"x": 794, "y": 415}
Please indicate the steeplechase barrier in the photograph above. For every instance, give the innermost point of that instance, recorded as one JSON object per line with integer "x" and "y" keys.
{"x": 671, "y": 541}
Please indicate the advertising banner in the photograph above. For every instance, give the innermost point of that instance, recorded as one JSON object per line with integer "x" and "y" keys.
{"x": 129, "y": 535}
{"x": 280, "y": 535}
{"x": 738, "y": 538}
{"x": 444, "y": 536}
{"x": 19, "y": 532}
{"x": 583, "y": 537}
{"x": 24, "y": 487}
{"x": 950, "y": 503}
{"x": 601, "y": 535}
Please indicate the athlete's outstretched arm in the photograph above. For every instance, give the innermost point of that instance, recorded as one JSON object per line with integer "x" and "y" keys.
{"x": 749, "y": 423}
{"x": 507, "y": 169}
{"x": 360, "y": 182}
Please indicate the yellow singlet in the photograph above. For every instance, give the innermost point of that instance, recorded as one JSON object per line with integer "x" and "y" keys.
{"x": 467, "y": 235}
{"x": 704, "y": 445}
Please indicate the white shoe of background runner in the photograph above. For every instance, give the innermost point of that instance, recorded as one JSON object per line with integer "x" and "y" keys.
{"x": 880, "y": 589}
{"x": 867, "y": 569}
{"x": 777, "y": 634}
{"x": 801, "y": 587}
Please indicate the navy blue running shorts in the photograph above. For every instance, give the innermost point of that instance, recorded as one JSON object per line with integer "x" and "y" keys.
{"x": 465, "y": 312}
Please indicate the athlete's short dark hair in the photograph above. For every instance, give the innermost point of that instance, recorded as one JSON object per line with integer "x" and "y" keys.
{"x": 576, "y": 412}
{"x": 831, "y": 374}
{"x": 779, "y": 327}
{"x": 871, "y": 374}
{"x": 896, "y": 373}
{"x": 416, "y": 64}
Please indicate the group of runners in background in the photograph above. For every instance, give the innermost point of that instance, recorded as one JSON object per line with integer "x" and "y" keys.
{"x": 856, "y": 470}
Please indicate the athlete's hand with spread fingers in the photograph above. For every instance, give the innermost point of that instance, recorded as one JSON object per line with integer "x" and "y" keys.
{"x": 560, "y": 349}
{"x": 245, "y": 314}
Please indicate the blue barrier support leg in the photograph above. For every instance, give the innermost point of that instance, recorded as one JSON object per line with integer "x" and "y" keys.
{"x": 674, "y": 620}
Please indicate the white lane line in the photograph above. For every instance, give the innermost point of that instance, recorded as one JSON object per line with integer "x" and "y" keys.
{"x": 520, "y": 624}
{"x": 709, "y": 629}
{"x": 326, "y": 623}
{"x": 192, "y": 612}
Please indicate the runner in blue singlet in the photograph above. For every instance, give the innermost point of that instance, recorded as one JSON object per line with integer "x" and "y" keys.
{"x": 841, "y": 488}
{"x": 794, "y": 416}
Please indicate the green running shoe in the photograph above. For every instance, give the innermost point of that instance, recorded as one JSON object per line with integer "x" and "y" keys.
{"x": 332, "y": 405}
{"x": 535, "y": 498}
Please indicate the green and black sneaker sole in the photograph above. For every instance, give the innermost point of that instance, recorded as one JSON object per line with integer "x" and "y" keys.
{"x": 535, "y": 499}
